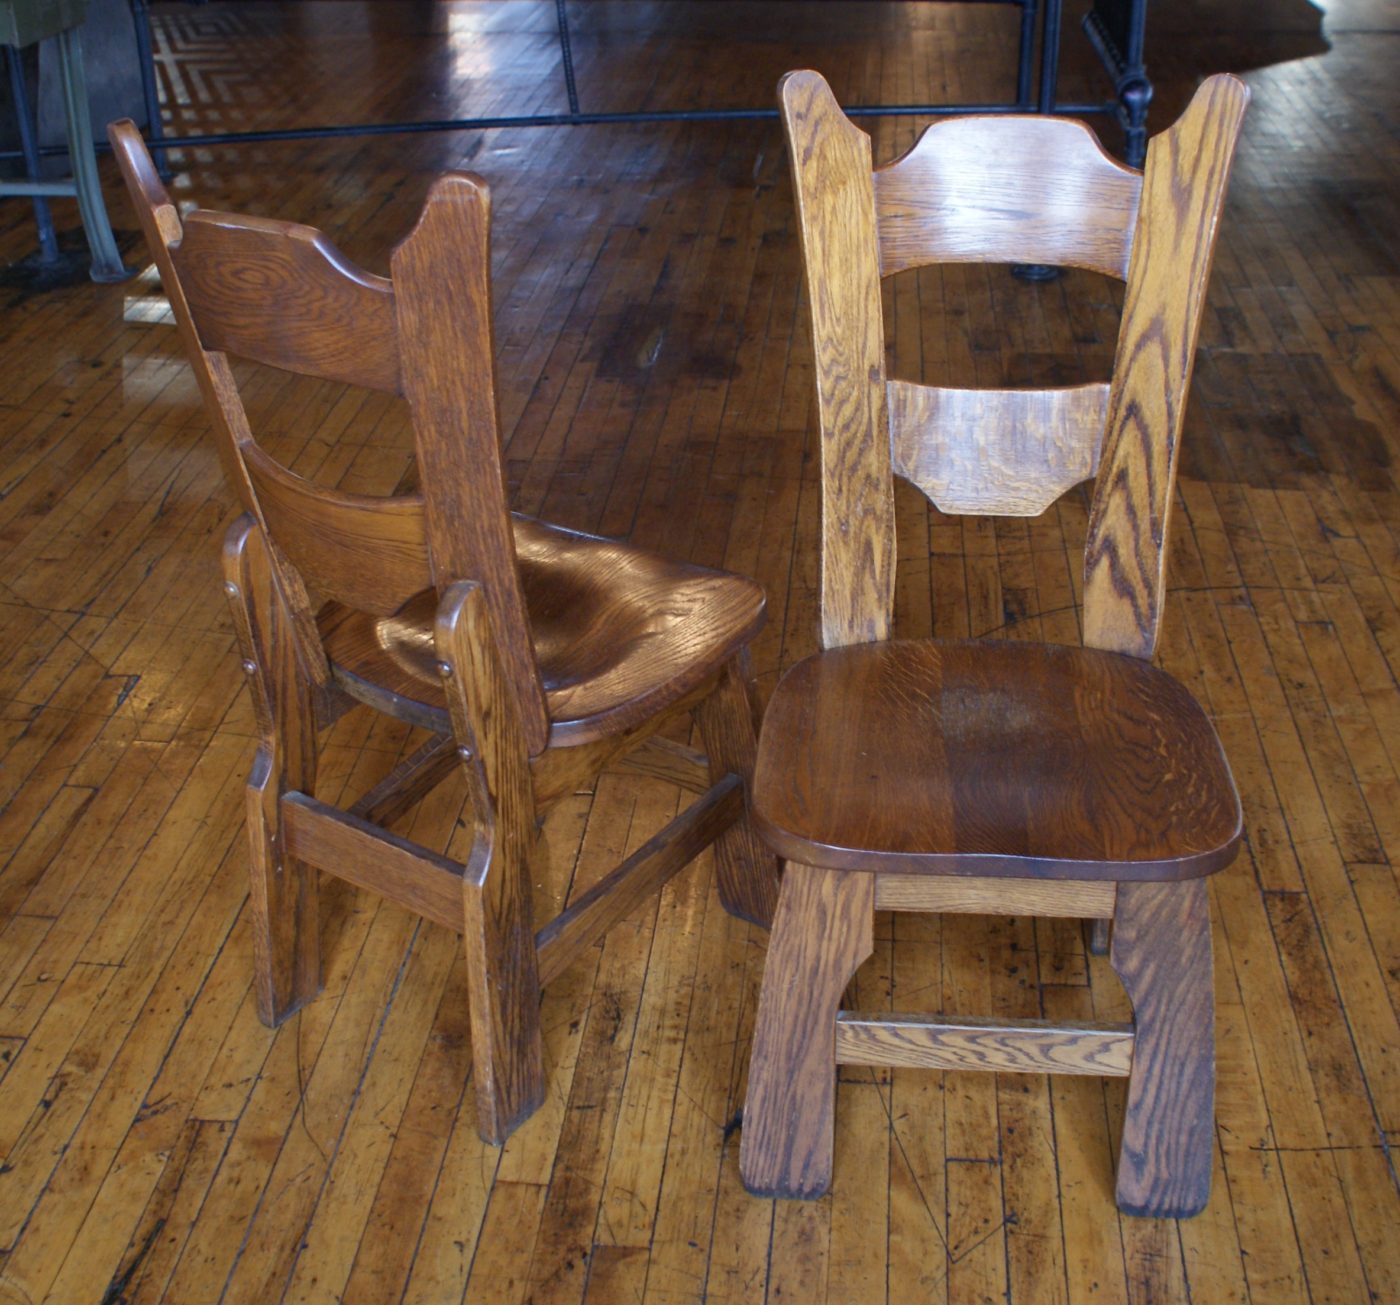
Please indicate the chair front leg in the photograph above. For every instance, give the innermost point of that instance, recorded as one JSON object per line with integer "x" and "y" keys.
{"x": 745, "y": 869}
{"x": 283, "y": 890}
{"x": 1162, "y": 952}
{"x": 502, "y": 964}
{"x": 823, "y": 930}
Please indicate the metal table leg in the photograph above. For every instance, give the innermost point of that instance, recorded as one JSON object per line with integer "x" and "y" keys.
{"x": 1049, "y": 77}
{"x": 155, "y": 128}
{"x": 1050, "y": 56}
{"x": 1025, "y": 60}
{"x": 1117, "y": 31}
{"x": 106, "y": 261}
{"x": 24, "y": 117}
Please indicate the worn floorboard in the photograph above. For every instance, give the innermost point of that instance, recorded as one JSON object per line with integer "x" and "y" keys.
{"x": 156, "y": 1142}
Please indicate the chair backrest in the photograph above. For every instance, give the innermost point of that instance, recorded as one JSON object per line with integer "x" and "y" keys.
{"x": 281, "y": 294}
{"x": 997, "y": 189}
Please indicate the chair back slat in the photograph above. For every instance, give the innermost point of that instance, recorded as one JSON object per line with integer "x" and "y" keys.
{"x": 331, "y": 319}
{"x": 996, "y": 452}
{"x": 281, "y": 294}
{"x": 1007, "y": 190}
{"x": 830, "y": 160}
{"x": 160, "y": 223}
{"x": 368, "y": 553}
{"x": 1187, "y": 171}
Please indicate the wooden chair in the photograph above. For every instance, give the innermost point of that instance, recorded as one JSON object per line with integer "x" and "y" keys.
{"x": 536, "y": 656}
{"x": 996, "y": 777}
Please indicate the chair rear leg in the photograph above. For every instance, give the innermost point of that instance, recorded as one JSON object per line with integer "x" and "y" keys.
{"x": 1162, "y": 952}
{"x": 823, "y": 930}
{"x": 504, "y": 990}
{"x": 503, "y": 980}
{"x": 283, "y": 890}
{"x": 283, "y": 896}
{"x": 745, "y": 869}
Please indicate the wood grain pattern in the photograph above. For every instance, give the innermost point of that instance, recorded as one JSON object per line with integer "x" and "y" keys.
{"x": 444, "y": 318}
{"x": 821, "y": 933}
{"x": 995, "y": 452}
{"x": 746, "y": 872}
{"x": 140, "y": 1090}
{"x": 408, "y": 783}
{"x": 1161, "y": 952}
{"x": 362, "y": 853}
{"x": 1015, "y": 759}
{"x": 408, "y": 585}
{"x": 443, "y": 271}
{"x": 830, "y": 162}
{"x": 160, "y": 221}
{"x": 334, "y": 320}
{"x": 286, "y": 932}
{"x": 1006, "y": 190}
{"x": 1188, "y": 169}
{"x": 666, "y": 759}
{"x": 999, "y": 1046}
{"x": 1025, "y": 760}
{"x": 619, "y": 635}
{"x": 1000, "y": 896}
{"x": 502, "y": 966}
{"x": 646, "y": 871}
{"x": 557, "y": 772}
{"x": 367, "y": 553}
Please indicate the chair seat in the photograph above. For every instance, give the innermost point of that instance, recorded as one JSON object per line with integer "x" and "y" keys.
{"x": 993, "y": 758}
{"x": 619, "y": 633}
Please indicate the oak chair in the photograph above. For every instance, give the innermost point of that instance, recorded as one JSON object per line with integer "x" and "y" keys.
{"x": 535, "y": 656}
{"x": 996, "y": 777}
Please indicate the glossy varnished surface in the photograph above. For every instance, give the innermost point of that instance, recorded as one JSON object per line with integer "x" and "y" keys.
{"x": 1185, "y": 179}
{"x": 993, "y": 758}
{"x": 1010, "y": 759}
{"x": 336, "y": 321}
{"x": 966, "y": 192}
{"x": 618, "y": 633}
{"x": 642, "y": 642}
{"x": 1031, "y": 445}
{"x": 655, "y": 386}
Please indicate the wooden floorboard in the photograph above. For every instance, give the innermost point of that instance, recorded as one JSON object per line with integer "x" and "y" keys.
{"x": 157, "y": 1143}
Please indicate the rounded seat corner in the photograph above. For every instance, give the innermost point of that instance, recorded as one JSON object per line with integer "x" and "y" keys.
{"x": 619, "y": 634}
{"x": 993, "y": 758}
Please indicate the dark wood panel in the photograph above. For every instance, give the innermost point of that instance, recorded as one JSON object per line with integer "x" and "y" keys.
{"x": 334, "y": 321}
{"x": 996, "y": 758}
{"x": 367, "y": 553}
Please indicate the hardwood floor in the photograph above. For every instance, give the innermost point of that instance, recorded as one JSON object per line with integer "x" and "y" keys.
{"x": 157, "y": 1142}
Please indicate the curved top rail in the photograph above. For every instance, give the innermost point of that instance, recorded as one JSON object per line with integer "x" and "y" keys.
{"x": 1007, "y": 190}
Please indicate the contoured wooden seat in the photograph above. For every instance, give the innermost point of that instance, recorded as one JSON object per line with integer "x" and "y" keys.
{"x": 996, "y": 777}
{"x": 618, "y": 634}
{"x": 536, "y": 655}
{"x": 994, "y": 758}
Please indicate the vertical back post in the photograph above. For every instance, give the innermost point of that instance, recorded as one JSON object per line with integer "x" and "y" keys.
{"x": 160, "y": 223}
{"x": 442, "y": 284}
{"x": 831, "y": 173}
{"x": 1188, "y": 168}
